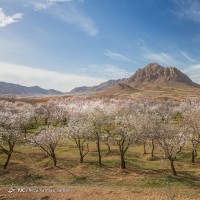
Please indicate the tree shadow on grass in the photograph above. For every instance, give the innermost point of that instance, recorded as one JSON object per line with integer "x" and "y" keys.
{"x": 186, "y": 178}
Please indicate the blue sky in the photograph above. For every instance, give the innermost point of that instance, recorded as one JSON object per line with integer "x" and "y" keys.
{"x": 63, "y": 44}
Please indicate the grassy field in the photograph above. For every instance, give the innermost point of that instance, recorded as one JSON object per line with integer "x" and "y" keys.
{"x": 144, "y": 178}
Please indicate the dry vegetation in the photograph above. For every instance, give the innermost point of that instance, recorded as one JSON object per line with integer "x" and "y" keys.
{"x": 144, "y": 178}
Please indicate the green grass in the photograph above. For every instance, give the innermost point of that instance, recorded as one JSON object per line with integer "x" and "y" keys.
{"x": 28, "y": 166}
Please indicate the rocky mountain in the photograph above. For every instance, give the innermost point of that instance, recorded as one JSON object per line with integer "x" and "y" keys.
{"x": 97, "y": 88}
{"x": 15, "y": 89}
{"x": 153, "y": 76}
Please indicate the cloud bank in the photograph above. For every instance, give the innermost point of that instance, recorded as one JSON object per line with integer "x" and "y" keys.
{"x": 117, "y": 56}
{"x": 6, "y": 19}
{"x": 160, "y": 57}
{"x": 188, "y": 9}
{"x": 193, "y": 72}
{"x": 69, "y": 14}
{"x": 44, "y": 4}
{"x": 29, "y": 76}
{"x": 187, "y": 56}
{"x": 76, "y": 17}
{"x": 108, "y": 71}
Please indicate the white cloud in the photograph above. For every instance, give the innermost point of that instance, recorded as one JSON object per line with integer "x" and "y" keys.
{"x": 108, "y": 71}
{"x": 29, "y": 76}
{"x": 161, "y": 57}
{"x": 117, "y": 56}
{"x": 44, "y": 4}
{"x": 187, "y": 56}
{"x": 188, "y": 9}
{"x": 74, "y": 16}
{"x": 193, "y": 72}
{"x": 6, "y": 19}
{"x": 116, "y": 72}
{"x": 70, "y": 15}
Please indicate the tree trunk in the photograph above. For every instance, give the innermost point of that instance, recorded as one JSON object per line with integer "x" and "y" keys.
{"x": 53, "y": 155}
{"x": 108, "y": 145}
{"x": 81, "y": 149}
{"x": 144, "y": 147}
{"x": 7, "y": 161}
{"x": 153, "y": 147}
{"x": 173, "y": 168}
{"x": 54, "y": 160}
{"x": 81, "y": 155}
{"x": 123, "y": 164}
{"x": 194, "y": 154}
{"x": 99, "y": 151}
{"x": 81, "y": 159}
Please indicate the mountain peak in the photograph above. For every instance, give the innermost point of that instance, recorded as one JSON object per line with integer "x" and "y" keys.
{"x": 152, "y": 76}
{"x": 153, "y": 66}
{"x": 153, "y": 72}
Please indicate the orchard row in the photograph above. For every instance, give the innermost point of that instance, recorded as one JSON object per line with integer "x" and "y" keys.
{"x": 170, "y": 124}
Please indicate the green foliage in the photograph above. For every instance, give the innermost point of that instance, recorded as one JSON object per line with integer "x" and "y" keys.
{"x": 153, "y": 158}
{"x": 178, "y": 117}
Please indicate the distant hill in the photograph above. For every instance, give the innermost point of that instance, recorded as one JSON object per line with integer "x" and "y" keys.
{"x": 15, "y": 89}
{"x": 153, "y": 76}
{"x": 119, "y": 88}
{"x": 97, "y": 88}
